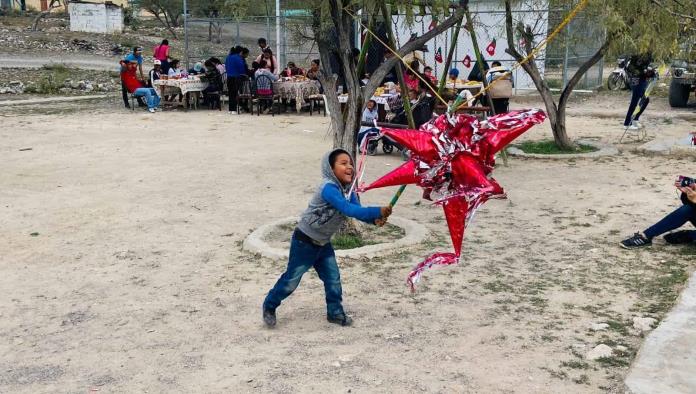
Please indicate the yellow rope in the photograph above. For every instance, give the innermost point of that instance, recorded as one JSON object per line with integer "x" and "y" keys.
{"x": 515, "y": 66}
{"x": 395, "y": 54}
{"x": 537, "y": 49}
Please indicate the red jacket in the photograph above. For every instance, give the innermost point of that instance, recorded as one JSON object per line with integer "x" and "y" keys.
{"x": 130, "y": 80}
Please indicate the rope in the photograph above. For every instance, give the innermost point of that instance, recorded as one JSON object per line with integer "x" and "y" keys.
{"x": 537, "y": 49}
{"x": 515, "y": 66}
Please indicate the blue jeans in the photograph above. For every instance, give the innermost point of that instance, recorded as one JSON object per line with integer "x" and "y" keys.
{"x": 303, "y": 256}
{"x": 150, "y": 95}
{"x": 676, "y": 219}
{"x": 637, "y": 92}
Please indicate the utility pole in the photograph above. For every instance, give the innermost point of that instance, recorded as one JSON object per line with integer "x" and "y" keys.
{"x": 186, "y": 51}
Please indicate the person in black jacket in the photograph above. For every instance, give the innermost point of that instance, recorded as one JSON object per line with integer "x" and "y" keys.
{"x": 676, "y": 219}
{"x": 214, "y": 79}
{"x": 639, "y": 74}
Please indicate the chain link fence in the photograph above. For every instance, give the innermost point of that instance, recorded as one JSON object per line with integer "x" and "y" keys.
{"x": 574, "y": 46}
{"x": 289, "y": 36}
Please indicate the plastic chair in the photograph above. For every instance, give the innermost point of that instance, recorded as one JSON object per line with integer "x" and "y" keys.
{"x": 264, "y": 93}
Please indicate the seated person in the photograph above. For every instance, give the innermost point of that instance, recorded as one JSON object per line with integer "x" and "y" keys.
{"x": 263, "y": 88}
{"x": 313, "y": 72}
{"x": 410, "y": 77}
{"x": 370, "y": 114}
{"x": 428, "y": 73}
{"x": 218, "y": 64}
{"x": 501, "y": 91}
{"x": 450, "y": 92}
{"x": 197, "y": 69}
{"x": 214, "y": 79}
{"x": 155, "y": 73}
{"x": 292, "y": 70}
{"x": 676, "y": 219}
{"x": 174, "y": 70}
{"x": 137, "y": 88}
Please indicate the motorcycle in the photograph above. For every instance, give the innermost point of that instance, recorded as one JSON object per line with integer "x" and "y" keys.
{"x": 618, "y": 79}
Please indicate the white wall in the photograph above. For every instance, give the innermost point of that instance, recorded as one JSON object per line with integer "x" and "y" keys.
{"x": 114, "y": 20}
{"x": 95, "y": 18}
{"x": 489, "y": 19}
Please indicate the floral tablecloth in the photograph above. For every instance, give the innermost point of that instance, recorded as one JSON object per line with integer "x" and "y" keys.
{"x": 298, "y": 91}
{"x": 183, "y": 85}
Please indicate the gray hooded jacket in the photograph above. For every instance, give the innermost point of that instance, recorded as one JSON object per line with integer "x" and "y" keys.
{"x": 331, "y": 205}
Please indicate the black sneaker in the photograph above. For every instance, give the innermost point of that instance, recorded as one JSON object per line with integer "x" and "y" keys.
{"x": 636, "y": 241}
{"x": 679, "y": 237}
{"x": 269, "y": 317}
{"x": 341, "y": 319}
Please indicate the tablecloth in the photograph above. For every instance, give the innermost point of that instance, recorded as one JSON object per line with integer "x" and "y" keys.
{"x": 184, "y": 85}
{"x": 298, "y": 91}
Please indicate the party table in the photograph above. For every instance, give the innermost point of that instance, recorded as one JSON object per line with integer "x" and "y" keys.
{"x": 300, "y": 91}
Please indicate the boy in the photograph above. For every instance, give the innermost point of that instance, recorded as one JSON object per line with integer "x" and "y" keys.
{"x": 311, "y": 241}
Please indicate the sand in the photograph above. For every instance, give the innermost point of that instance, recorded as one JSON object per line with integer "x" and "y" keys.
{"x": 122, "y": 269}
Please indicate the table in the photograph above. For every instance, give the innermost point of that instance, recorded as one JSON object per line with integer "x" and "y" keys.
{"x": 298, "y": 91}
{"x": 185, "y": 86}
{"x": 473, "y": 88}
{"x": 385, "y": 102}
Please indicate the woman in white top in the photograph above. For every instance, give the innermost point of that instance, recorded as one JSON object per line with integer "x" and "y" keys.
{"x": 174, "y": 70}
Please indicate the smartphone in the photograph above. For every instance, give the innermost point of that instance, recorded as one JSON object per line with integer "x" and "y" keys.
{"x": 685, "y": 181}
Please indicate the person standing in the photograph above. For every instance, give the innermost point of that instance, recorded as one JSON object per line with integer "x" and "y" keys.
{"x": 235, "y": 67}
{"x": 501, "y": 91}
{"x": 639, "y": 73}
{"x": 137, "y": 57}
{"x": 161, "y": 53}
{"x": 262, "y": 46}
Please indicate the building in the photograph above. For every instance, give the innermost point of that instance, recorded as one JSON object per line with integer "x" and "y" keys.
{"x": 42, "y": 5}
{"x": 96, "y": 17}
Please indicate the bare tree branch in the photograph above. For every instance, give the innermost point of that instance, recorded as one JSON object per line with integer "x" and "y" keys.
{"x": 378, "y": 75}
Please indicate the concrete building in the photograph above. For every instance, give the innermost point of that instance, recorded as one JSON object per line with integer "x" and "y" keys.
{"x": 96, "y": 17}
{"x": 42, "y": 5}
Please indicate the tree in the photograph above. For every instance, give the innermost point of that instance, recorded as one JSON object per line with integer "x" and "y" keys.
{"x": 51, "y": 6}
{"x": 167, "y": 12}
{"x": 631, "y": 26}
{"x": 332, "y": 26}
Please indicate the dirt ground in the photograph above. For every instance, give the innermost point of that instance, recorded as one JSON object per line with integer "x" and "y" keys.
{"x": 122, "y": 268}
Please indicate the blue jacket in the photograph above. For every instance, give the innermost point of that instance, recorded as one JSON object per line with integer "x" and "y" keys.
{"x": 330, "y": 207}
{"x": 235, "y": 66}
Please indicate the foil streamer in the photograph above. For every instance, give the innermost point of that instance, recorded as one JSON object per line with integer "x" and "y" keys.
{"x": 452, "y": 158}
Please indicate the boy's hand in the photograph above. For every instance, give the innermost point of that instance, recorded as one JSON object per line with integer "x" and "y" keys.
{"x": 380, "y": 222}
{"x": 385, "y": 211}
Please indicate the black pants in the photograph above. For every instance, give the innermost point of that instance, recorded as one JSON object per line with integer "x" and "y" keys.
{"x": 500, "y": 105}
{"x": 126, "y": 101}
{"x": 233, "y": 91}
{"x": 637, "y": 92}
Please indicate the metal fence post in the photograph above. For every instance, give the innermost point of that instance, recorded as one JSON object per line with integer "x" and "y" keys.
{"x": 186, "y": 37}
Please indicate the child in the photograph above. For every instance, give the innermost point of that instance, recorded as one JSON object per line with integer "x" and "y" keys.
{"x": 311, "y": 242}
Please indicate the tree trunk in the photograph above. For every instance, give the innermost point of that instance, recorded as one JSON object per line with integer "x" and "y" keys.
{"x": 43, "y": 14}
{"x": 556, "y": 117}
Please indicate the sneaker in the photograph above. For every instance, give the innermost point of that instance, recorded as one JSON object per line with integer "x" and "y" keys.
{"x": 269, "y": 317}
{"x": 631, "y": 127}
{"x": 637, "y": 124}
{"x": 679, "y": 237}
{"x": 636, "y": 241}
{"x": 151, "y": 110}
{"x": 342, "y": 319}
{"x": 233, "y": 112}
